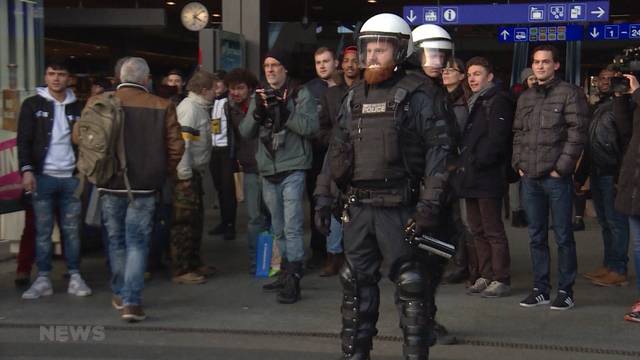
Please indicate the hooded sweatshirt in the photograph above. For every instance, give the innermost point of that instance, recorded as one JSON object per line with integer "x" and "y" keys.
{"x": 193, "y": 116}
{"x": 60, "y": 160}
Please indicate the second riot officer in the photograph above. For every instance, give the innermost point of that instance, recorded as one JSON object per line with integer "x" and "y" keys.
{"x": 388, "y": 155}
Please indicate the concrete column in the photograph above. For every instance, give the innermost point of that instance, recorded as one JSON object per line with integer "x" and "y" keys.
{"x": 19, "y": 40}
{"x": 243, "y": 16}
{"x": 4, "y": 45}
{"x": 30, "y": 48}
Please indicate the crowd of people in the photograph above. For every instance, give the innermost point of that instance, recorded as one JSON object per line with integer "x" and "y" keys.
{"x": 394, "y": 132}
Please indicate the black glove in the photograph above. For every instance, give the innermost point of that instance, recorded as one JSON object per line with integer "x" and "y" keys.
{"x": 260, "y": 113}
{"x": 427, "y": 217}
{"x": 323, "y": 215}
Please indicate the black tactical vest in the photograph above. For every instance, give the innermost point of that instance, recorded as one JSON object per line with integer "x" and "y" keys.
{"x": 375, "y": 130}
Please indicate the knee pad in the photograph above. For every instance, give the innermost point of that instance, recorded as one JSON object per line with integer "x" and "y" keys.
{"x": 411, "y": 280}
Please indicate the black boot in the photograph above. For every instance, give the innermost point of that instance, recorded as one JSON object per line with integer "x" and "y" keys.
{"x": 290, "y": 292}
{"x": 519, "y": 219}
{"x": 279, "y": 282}
{"x": 578, "y": 224}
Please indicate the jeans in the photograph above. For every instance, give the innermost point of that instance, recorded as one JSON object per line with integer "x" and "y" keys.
{"x": 540, "y": 195}
{"x": 634, "y": 225}
{"x": 58, "y": 192}
{"x": 129, "y": 228}
{"x": 615, "y": 226}
{"x": 334, "y": 240}
{"x": 284, "y": 201}
{"x": 257, "y": 221}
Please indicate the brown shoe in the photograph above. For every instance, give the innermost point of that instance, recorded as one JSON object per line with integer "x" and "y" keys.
{"x": 599, "y": 272}
{"x": 333, "y": 265}
{"x": 116, "y": 302}
{"x": 133, "y": 313}
{"x": 611, "y": 279}
{"x": 190, "y": 278}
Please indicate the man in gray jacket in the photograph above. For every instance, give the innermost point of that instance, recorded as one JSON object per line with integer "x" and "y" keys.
{"x": 283, "y": 118}
{"x": 549, "y": 134}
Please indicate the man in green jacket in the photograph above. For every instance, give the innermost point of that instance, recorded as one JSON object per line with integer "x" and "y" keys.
{"x": 283, "y": 118}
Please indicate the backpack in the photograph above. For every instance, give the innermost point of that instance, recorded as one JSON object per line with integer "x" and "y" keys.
{"x": 100, "y": 136}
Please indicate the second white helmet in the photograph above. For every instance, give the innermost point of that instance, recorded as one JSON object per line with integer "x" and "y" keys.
{"x": 433, "y": 44}
{"x": 379, "y": 33}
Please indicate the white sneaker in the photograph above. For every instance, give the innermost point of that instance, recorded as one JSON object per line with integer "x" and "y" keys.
{"x": 496, "y": 289}
{"x": 479, "y": 286}
{"x": 40, "y": 287}
{"x": 77, "y": 286}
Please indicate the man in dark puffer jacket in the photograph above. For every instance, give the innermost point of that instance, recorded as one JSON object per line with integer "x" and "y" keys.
{"x": 549, "y": 133}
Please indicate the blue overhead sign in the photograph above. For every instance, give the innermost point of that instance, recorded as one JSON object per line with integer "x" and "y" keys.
{"x": 540, "y": 33}
{"x": 613, "y": 32}
{"x": 591, "y": 11}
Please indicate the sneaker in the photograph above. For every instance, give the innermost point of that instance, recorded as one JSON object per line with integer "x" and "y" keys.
{"x": 40, "y": 287}
{"x": 478, "y": 286}
{"x": 206, "y": 270}
{"x": 190, "y": 278}
{"x": 496, "y": 289}
{"x": 535, "y": 298}
{"x": 601, "y": 271}
{"x": 611, "y": 279}
{"x": 77, "y": 286}
{"x": 133, "y": 313}
{"x": 116, "y": 302}
{"x": 563, "y": 301}
{"x": 634, "y": 315}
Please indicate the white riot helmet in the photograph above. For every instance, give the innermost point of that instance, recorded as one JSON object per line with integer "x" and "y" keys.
{"x": 380, "y": 31}
{"x": 433, "y": 44}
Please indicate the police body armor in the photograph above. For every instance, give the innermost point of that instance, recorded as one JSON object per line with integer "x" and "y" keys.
{"x": 371, "y": 147}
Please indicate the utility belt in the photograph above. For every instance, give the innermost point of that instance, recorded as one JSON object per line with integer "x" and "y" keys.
{"x": 403, "y": 193}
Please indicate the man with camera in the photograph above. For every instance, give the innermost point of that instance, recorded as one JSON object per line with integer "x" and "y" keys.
{"x": 549, "y": 133}
{"x": 283, "y": 118}
{"x": 388, "y": 155}
{"x": 601, "y": 163}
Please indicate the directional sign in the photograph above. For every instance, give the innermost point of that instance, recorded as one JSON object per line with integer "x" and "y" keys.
{"x": 613, "y": 32}
{"x": 540, "y": 33}
{"x": 473, "y": 14}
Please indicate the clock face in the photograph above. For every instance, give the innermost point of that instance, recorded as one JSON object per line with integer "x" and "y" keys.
{"x": 194, "y": 16}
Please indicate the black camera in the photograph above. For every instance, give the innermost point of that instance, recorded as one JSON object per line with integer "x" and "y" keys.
{"x": 619, "y": 84}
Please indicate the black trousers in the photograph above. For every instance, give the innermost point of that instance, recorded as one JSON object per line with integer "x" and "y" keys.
{"x": 222, "y": 168}
{"x": 318, "y": 242}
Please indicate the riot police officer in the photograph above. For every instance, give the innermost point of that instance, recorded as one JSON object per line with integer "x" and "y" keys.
{"x": 388, "y": 155}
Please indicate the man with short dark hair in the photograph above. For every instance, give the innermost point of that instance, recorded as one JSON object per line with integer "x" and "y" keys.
{"x": 242, "y": 84}
{"x": 485, "y": 145}
{"x": 47, "y": 160}
{"x": 549, "y": 134}
{"x": 601, "y": 164}
{"x": 328, "y": 117}
{"x": 326, "y": 64}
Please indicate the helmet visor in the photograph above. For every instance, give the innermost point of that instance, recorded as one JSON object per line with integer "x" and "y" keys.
{"x": 434, "y": 57}
{"x": 378, "y": 51}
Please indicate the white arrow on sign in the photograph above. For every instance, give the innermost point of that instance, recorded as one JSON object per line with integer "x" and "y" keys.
{"x": 504, "y": 34}
{"x": 594, "y": 33}
{"x": 412, "y": 17}
{"x": 598, "y": 12}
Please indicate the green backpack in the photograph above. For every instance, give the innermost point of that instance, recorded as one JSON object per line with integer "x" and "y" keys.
{"x": 100, "y": 134}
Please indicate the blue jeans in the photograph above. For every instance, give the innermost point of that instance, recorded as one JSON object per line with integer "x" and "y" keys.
{"x": 334, "y": 240}
{"x": 615, "y": 226}
{"x": 129, "y": 228}
{"x": 539, "y": 195}
{"x": 257, "y": 221}
{"x": 285, "y": 203}
{"x": 634, "y": 225}
{"x": 52, "y": 192}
